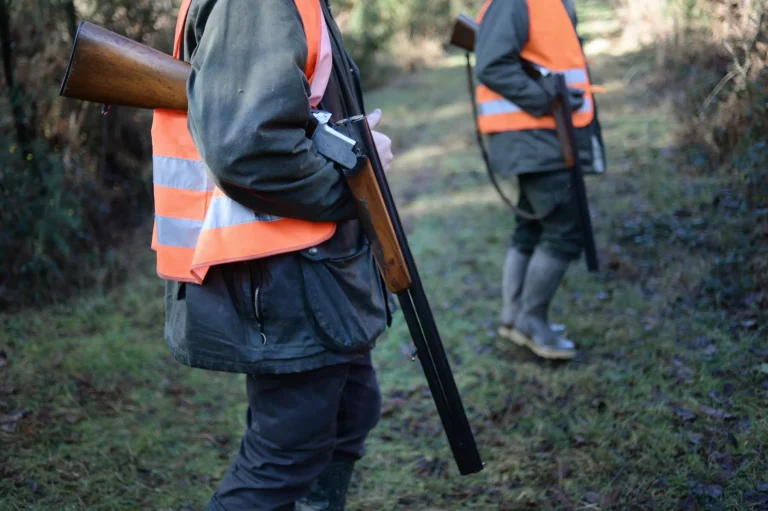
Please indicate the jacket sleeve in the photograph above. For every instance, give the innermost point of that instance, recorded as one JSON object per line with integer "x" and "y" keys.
{"x": 248, "y": 108}
{"x": 500, "y": 39}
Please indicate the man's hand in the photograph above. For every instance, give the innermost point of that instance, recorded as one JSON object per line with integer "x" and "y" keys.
{"x": 381, "y": 141}
{"x": 575, "y": 96}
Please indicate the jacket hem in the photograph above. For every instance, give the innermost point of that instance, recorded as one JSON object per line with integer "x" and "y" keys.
{"x": 295, "y": 365}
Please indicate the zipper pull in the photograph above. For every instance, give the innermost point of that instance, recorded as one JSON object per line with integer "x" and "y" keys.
{"x": 257, "y": 313}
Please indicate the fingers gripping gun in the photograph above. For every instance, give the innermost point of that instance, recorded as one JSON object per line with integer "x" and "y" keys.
{"x": 110, "y": 69}
{"x": 463, "y": 37}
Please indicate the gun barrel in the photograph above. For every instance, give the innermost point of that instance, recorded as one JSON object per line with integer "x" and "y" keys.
{"x": 111, "y": 69}
{"x": 424, "y": 332}
{"x": 413, "y": 300}
{"x": 567, "y": 134}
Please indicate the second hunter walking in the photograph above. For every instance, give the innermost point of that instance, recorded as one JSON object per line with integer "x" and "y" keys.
{"x": 520, "y": 43}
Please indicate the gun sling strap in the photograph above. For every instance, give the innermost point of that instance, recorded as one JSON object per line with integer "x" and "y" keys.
{"x": 484, "y": 151}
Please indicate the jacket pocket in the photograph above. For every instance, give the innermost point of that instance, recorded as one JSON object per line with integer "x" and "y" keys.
{"x": 345, "y": 298}
{"x": 219, "y": 322}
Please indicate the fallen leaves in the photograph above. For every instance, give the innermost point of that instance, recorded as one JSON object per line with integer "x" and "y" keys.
{"x": 716, "y": 413}
{"x": 681, "y": 372}
{"x": 8, "y": 422}
{"x": 685, "y": 415}
{"x": 592, "y": 497}
{"x": 431, "y": 467}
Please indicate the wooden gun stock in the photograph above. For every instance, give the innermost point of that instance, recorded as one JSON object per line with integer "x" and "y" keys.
{"x": 561, "y": 128}
{"x": 111, "y": 69}
{"x": 464, "y": 31}
{"x": 386, "y": 249}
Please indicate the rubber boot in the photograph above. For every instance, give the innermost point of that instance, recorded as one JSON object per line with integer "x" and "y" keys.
{"x": 511, "y": 289}
{"x": 532, "y": 329}
{"x": 330, "y": 491}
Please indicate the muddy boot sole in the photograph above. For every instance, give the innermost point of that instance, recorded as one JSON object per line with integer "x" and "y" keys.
{"x": 524, "y": 341}
{"x": 506, "y": 332}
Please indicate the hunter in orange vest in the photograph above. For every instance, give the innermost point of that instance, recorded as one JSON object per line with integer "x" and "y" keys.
{"x": 196, "y": 224}
{"x": 267, "y": 270}
{"x": 520, "y": 45}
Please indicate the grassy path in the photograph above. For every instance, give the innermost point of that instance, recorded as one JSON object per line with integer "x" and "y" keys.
{"x": 663, "y": 409}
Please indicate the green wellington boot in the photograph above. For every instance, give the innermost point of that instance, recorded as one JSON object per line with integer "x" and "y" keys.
{"x": 330, "y": 491}
{"x": 532, "y": 329}
{"x": 511, "y": 289}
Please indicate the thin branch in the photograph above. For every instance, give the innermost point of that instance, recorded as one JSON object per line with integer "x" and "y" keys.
{"x": 712, "y": 95}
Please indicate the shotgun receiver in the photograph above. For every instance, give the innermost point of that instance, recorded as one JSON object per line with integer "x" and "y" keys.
{"x": 463, "y": 37}
{"x": 110, "y": 69}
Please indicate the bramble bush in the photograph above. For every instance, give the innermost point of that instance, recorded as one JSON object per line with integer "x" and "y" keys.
{"x": 714, "y": 54}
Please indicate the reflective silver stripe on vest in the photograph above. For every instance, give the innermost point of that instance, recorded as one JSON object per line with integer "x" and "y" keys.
{"x": 181, "y": 173}
{"x": 498, "y": 106}
{"x": 185, "y": 174}
{"x": 503, "y": 106}
{"x": 575, "y": 76}
{"x": 224, "y": 212}
{"x": 177, "y": 232}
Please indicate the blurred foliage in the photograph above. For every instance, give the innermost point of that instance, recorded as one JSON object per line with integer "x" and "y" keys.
{"x": 74, "y": 182}
{"x": 715, "y": 53}
{"x": 71, "y": 180}
{"x": 385, "y": 36}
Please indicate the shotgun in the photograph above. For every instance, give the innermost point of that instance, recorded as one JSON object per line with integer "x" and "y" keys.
{"x": 110, "y": 69}
{"x": 463, "y": 37}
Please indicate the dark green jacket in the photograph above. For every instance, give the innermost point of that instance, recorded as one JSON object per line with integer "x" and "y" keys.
{"x": 501, "y": 37}
{"x": 248, "y": 108}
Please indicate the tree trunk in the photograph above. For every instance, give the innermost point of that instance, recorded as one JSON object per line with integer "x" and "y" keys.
{"x": 69, "y": 8}
{"x": 14, "y": 91}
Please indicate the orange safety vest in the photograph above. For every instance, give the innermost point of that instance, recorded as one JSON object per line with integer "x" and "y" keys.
{"x": 553, "y": 45}
{"x": 196, "y": 225}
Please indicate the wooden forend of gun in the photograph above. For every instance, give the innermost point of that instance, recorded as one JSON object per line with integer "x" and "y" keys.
{"x": 110, "y": 69}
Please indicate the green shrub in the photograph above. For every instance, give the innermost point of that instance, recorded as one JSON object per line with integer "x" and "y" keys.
{"x": 72, "y": 182}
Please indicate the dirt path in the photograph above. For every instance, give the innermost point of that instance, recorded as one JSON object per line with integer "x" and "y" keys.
{"x": 664, "y": 408}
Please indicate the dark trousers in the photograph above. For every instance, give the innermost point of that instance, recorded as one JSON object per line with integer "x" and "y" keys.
{"x": 550, "y": 197}
{"x": 298, "y": 423}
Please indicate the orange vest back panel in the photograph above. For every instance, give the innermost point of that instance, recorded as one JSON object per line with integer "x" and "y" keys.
{"x": 552, "y": 45}
{"x": 196, "y": 225}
